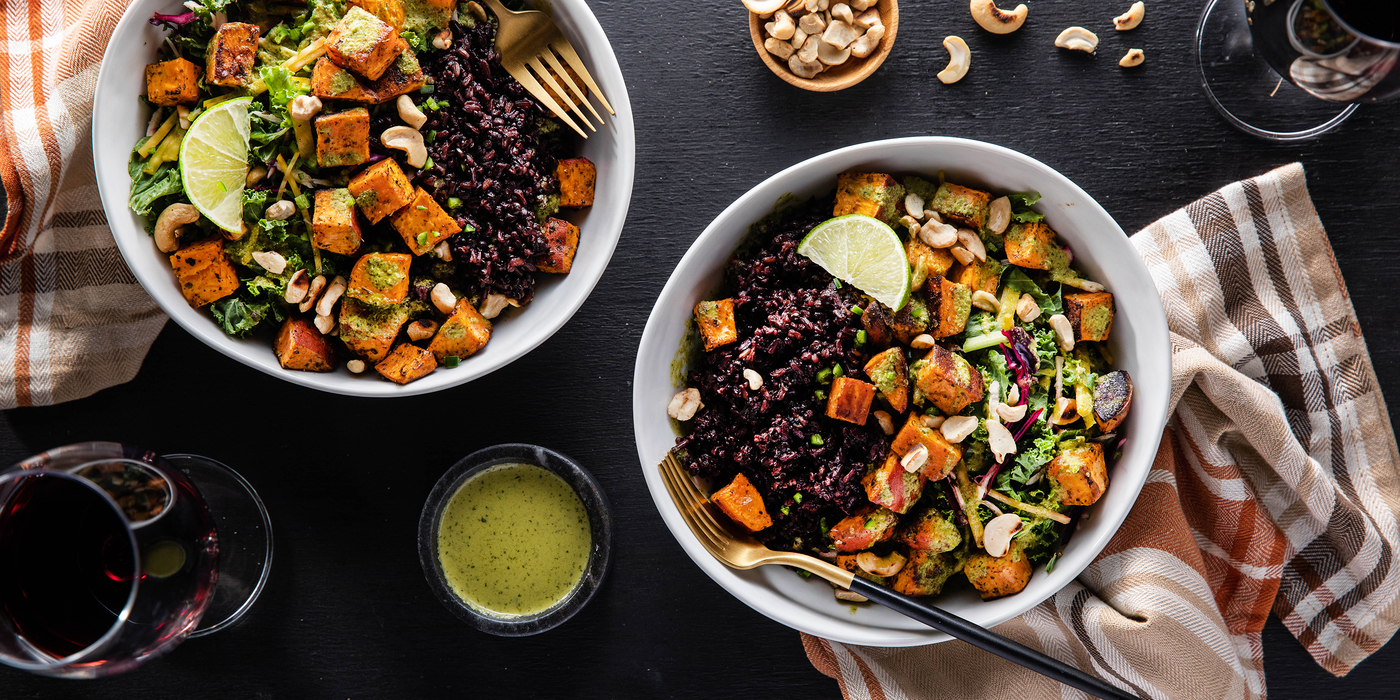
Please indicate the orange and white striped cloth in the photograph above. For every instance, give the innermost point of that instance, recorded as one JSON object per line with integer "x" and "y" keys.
{"x": 73, "y": 319}
{"x": 1275, "y": 488}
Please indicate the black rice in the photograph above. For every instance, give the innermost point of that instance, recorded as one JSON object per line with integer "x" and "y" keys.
{"x": 793, "y": 322}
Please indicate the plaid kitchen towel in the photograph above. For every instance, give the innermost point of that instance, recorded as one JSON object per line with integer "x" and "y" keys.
{"x": 1275, "y": 487}
{"x": 73, "y": 319}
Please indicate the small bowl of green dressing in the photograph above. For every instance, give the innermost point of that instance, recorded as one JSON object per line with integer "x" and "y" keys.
{"x": 515, "y": 539}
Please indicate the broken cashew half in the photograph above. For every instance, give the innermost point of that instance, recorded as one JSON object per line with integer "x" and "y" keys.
{"x": 959, "y": 58}
{"x": 1133, "y": 58}
{"x": 1077, "y": 39}
{"x": 1130, "y": 19}
{"x": 996, "y": 20}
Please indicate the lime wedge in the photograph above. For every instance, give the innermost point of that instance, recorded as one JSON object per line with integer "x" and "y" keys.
{"x": 864, "y": 252}
{"x": 214, "y": 162}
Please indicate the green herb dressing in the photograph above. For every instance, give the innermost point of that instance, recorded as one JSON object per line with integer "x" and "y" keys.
{"x": 514, "y": 540}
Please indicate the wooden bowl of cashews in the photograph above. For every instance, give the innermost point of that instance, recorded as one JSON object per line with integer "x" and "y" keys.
{"x": 836, "y": 68}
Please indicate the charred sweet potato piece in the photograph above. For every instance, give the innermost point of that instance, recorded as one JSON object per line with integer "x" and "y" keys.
{"x": 562, "y": 239}
{"x": 1090, "y": 314}
{"x": 875, "y": 319}
{"x": 949, "y": 305}
{"x": 942, "y": 455}
{"x": 204, "y": 271}
{"x": 1034, "y": 245}
{"x": 464, "y": 333}
{"x": 868, "y": 526}
{"x": 743, "y": 504}
{"x": 949, "y": 381}
{"x": 300, "y": 346}
{"x": 381, "y": 189}
{"x": 331, "y": 82}
{"x": 926, "y": 262}
{"x": 406, "y": 363}
{"x": 173, "y": 82}
{"x": 228, "y": 58}
{"x": 390, "y": 12}
{"x": 334, "y": 226}
{"x": 890, "y": 486}
{"x": 994, "y": 577}
{"x": 404, "y": 75}
{"x": 912, "y": 320}
{"x": 364, "y": 43}
{"x": 850, "y": 400}
{"x": 368, "y": 330}
{"x": 929, "y": 531}
{"x": 962, "y": 206}
{"x": 715, "y": 319}
{"x": 342, "y": 138}
{"x": 423, "y": 223}
{"x": 870, "y": 194}
{"x": 1113, "y": 395}
{"x": 1080, "y": 473}
{"x": 380, "y": 278}
{"x": 925, "y": 572}
{"x": 890, "y": 374}
{"x": 985, "y": 275}
{"x": 576, "y": 180}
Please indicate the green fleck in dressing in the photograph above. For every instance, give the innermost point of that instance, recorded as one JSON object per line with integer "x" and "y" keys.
{"x": 383, "y": 274}
{"x": 360, "y": 31}
{"x": 514, "y": 540}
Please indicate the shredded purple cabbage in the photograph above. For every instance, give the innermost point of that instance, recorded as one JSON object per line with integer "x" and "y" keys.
{"x": 172, "y": 21}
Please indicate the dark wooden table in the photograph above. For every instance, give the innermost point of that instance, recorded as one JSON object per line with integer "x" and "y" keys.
{"x": 347, "y": 612}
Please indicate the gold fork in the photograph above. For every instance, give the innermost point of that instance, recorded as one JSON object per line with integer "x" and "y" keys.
{"x": 744, "y": 552}
{"x": 523, "y": 39}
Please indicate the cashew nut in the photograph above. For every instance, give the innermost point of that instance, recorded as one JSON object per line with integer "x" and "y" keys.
{"x": 996, "y": 536}
{"x": 443, "y": 298}
{"x": 1130, "y": 19}
{"x": 779, "y": 48}
{"x": 183, "y": 114}
{"x": 963, "y": 255}
{"x": 985, "y": 301}
{"x": 812, "y": 24}
{"x": 297, "y": 287}
{"x": 443, "y": 40}
{"x": 684, "y": 405}
{"x": 272, "y": 261}
{"x": 933, "y": 422}
{"x": 1000, "y": 440}
{"x": 332, "y": 295}
{"x": 325, "y": 324}
{"x": 422, "y": 329}
{"x": 313, "y": 293}
{"x": 355, "y": 366}
{"x": 1011, "y": 414}
{"x": 914, "y": 459}
{"x": 957, "y": 428}
{"x": 999, "y": 214}
{"x": 782, "y": 26}
{"x": 409, "y": 112}
{"x": 305, "y": 107}
{"x": 799, "y": 38}
{"x": 1132, "y": 59}
{"x": 839, "y": 34}
{"x": 996, "y": 20}
{"x": 476, "y": 10}
{"x": 973, "y": 243}
{"x": 959, "y": 58}
{"x": 868, "y": 42}
{"x": 914, "y": 204}
{"x": 830, "y": 55}
{"x": 843, "y": 12}
{"x": 861, "y": 5}
{"x": 407, "y": 140}
{"x": 754, "y": 378}
{"x": 443, "y": 251}
{"x": 846, "y": 596}
{"x": 1027, "y": 309}
{"x": 805, "y": 69}
{"x": 494, "y": 304}
{"x": 763, "y": 8}
{"x": 1086, "y": 285}
{"x": 1063, "y": 332}
{"x": 885, "y": 421}
{"x": 869, "y": 20}
{"x": 255, "y": 175}
{"x": 888, "y": 565}
{"x": 817, "y": 5}
{"x": 281, "y": 210}
{"x": 1077, "y": 39}
{"x": 167, "y": 233}
{"x": 922, "y": 341}
{"x": 937, "y": 234}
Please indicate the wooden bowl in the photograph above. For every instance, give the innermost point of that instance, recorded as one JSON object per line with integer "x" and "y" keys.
{"x": 840, "y": 77}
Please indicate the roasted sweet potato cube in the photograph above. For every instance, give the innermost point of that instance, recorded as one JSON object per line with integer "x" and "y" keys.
{"x": 391, "y": 12}
{"x": 948, "y": 380}
{"x": 334, "y": 226}
{"x": 743, "y": 504}
{"x": 380, "y": 278}
{"x": 562, "y": 239}
{"x": 423, "y": 224}
{"x": 425, "y": 15}
{"x": 300, "y": 346}
{"x": 868, "y": 526}
{"x": 462, "y": 334}
{"x": 890, "y": 486}
{"x": 929, "y": 531}
{"x": 331, "y": 82}
{"x": 1113, "y": 395}
{"x": 850, "y": 400}
{"x": 995, "y": 577}
{"x": 926, "y": 262}
{"x": 890, "y": 373}
{"x": 204, "y": 272}
{"x": 342, "y": 138}
{"x": 369, "y": 331}
{"x": 1034, "y": 245}
{"x": 871, "y": 194}
{"x": 173, "y": 82}
{"x": 381, "y": 189}
{"x": 980, "y": 275}
{"x": 942, "y": 455}
{"x": 576, "y": 179}
{"x": 404, "y": 75}
{"x": 875, "y": 319}
{"x": 364, "y": 43}
{"x": 925, "y": 573}
{"x": 949, "y": 305}
{"x": 911, "y": 320}
{"x": 960, "y": 205}
{"x": 406, "y": 363}
{"x": 228, "y": 60}
{"x": 851, "y": 563}
{"x": 1080, "y": 474}
{"x": 715, "y": 319}
{"x": 1090, "y": 314}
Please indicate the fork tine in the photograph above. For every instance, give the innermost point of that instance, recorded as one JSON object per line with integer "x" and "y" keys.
{"x": 538, "y": 91}
{"x": 558, "y": 69}
{"x": 687, "y": 508}
{"x": 700, "y": 506}
{"x": 565, "y": 95}
{"x": 566, "y": 51}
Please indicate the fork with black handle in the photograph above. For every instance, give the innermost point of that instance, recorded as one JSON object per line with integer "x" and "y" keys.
{"x": 740, "y": 551}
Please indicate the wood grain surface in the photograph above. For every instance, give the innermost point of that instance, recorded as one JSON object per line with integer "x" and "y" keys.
{"x": 347, "y": 613}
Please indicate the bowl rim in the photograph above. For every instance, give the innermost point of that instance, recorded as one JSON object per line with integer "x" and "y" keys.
{"x": 807, "y": 619}
{"x": 870, "y": 64}
{"x": 596, "y": 50}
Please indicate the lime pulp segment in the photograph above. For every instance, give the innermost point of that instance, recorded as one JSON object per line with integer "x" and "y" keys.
{"x": 864, "y": 252}
{"x": 214, "y": 162}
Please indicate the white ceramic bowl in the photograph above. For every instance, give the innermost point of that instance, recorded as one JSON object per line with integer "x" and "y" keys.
{"x": 119, "y": 120}
{"x": 1101, "y": 251}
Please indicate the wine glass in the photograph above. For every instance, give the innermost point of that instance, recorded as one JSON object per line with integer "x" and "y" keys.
{"x": 111, "y": 555}
{"x": 1288, "y": 70}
